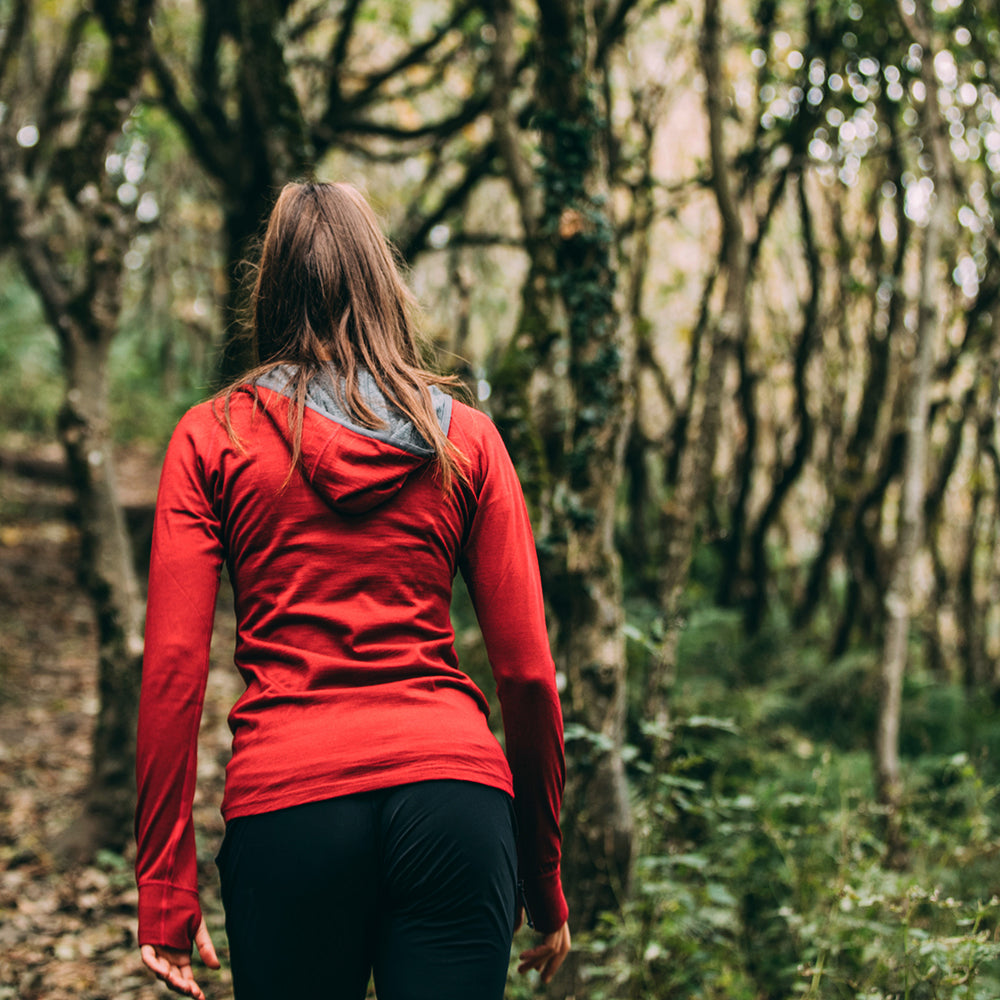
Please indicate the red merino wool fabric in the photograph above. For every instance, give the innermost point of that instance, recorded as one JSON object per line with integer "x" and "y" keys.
{"x": 342, "y": 579}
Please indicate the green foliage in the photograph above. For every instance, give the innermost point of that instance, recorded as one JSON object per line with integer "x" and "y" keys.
{"x": 154, "y": 374}
{"x": 30, "y": 379}
{"x": 154, "y": 379}
{"x": 712, "y": 643}
{"x": 761, "y": 871}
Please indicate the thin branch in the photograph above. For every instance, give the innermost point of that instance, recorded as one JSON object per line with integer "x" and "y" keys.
{"x": 338, "y": 52}
{"x": 721, "y": 181}
{"x": 764, "y": 221}
{"x": 310, "y": 19}
{"x": 410, "y": 58}
{"x": 128, "y": 39}
{"x": 50, "y": 112}
{"x": 327, "y": 133}
{"x": 505, "y": 67}
{"x": 463, "y": 239}
{"x": 14, "y": 35}
{"x": 611, "y": 29}
{"x": 407, "y": 91}
{"x": 196, "y": 129}
{"x": 33, "y": 254}
{"x": 478, "y": 167}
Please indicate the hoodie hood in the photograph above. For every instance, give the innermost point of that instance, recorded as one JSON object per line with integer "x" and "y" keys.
{"x": 356, "y": 468}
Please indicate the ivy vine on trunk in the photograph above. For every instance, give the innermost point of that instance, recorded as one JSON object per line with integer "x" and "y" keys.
{"x": 564, "y": 407}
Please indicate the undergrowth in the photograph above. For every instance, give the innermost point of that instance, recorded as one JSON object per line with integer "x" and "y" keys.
{"x": 760, "y": 871}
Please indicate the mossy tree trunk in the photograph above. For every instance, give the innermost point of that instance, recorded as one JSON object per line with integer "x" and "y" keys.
{"x": 563, "y": 403}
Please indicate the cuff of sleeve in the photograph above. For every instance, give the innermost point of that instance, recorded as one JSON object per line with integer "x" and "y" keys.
{"x": 168, "y": 915}
{"x": 546, "y": 904}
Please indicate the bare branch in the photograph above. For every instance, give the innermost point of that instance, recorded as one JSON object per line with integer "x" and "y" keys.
{"x": 50, "y": 111}
{"x": 194, "y": 128}
{"x": 338, "y": 52}
{"x": 13, "y": 36}
{"x": 505, "y": 132}
{"x": 310, "y": 19}
{"x": 484, "y": 240}
{"x": 721, "y": 180}
{"x": 22, "y": 226}
{"x": 611, "y": 29}
{"x": 764, "y": 221}
{"x": 477, "y": 167}
{"x": 410, "y": 58}
{"x": 128, "y": 28}
{"x": 326, "y": 133}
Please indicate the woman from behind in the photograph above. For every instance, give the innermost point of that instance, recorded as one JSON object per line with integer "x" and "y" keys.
{"x": 374, "y": 825}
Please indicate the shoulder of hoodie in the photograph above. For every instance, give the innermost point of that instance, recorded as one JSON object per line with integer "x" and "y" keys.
{"x": 474, "y": 433}
{"x": 210, "y": 413}
{"x": 476, "y": 436}
{"x": 202, "y": 429}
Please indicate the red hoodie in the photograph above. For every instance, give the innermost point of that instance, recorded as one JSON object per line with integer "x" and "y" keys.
{"x": 342, "y": 579}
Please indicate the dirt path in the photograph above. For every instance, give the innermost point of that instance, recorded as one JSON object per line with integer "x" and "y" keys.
{"x": 71, "y": 934}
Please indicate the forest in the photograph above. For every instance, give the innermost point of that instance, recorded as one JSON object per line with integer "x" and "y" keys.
{"x": 725, "y": 274}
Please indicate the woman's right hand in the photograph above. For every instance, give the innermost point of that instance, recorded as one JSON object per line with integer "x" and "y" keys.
{"x": 547, "y": 956}
{"x": 173, "y": 966}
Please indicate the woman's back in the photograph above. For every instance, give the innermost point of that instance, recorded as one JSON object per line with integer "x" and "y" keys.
{"x": 342, "y": 577}
{"x": 343, "y": 489}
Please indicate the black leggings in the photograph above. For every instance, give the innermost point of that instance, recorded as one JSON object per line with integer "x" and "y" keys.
{"x": 414, "y": 883}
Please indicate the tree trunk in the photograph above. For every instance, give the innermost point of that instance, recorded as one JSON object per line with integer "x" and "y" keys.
{"x": 108, "y": 573}
{"x": 865, "y": 437}
{"x": 70, "y": 235}
{"x": 86, "y": 324}
{"x": 971, "y": 610}
{"x": 787, "y": 474}
{"x": 564, "y": 406}
{"x": 888, "y": 774}
{"x": 681, "y": 513}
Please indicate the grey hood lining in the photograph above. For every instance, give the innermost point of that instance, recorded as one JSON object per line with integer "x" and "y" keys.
{"x": 397, "y": 431}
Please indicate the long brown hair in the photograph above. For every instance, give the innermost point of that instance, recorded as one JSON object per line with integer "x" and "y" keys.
{"x": 328, "y": 290}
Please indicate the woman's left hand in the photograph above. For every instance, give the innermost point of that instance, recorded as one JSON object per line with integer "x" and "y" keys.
{"x": 547, "y": 956}
{"x": 173, "y": 966}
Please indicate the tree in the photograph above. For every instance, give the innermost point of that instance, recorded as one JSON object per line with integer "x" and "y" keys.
{"x": 312, "y": 81}
{"x": 722, "y": 332}
{"x": 564, "y": 408}
{"x": 914, "y": 473}
{"x": 63, "y": 219}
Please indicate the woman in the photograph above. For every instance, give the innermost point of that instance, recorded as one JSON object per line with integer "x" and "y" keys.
{"x": 373, "y": 824}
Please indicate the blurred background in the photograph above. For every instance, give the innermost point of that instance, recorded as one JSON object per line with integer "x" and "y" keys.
{"x": 725, "y": 274}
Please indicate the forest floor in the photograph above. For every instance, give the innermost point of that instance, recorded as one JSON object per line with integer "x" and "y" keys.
{"x": 70, "y": 932}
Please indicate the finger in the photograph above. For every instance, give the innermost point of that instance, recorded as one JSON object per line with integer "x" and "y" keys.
{"x": 205, "y": 947}
{"x": 535, "y": 954}
{"x": 534, "y": 958}
{"x": 547, "y": 956}
{"x": 191, "y": 988}
{"x": 551, "y": 967}
{"x": 153, "y": 962}
{"x": 177, "y": 977}
{"x": 182, "y": 981}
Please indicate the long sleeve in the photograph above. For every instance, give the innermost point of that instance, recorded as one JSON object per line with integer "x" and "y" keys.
{"x": 501, "y": 571}
{"x": 184, "y": 573}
